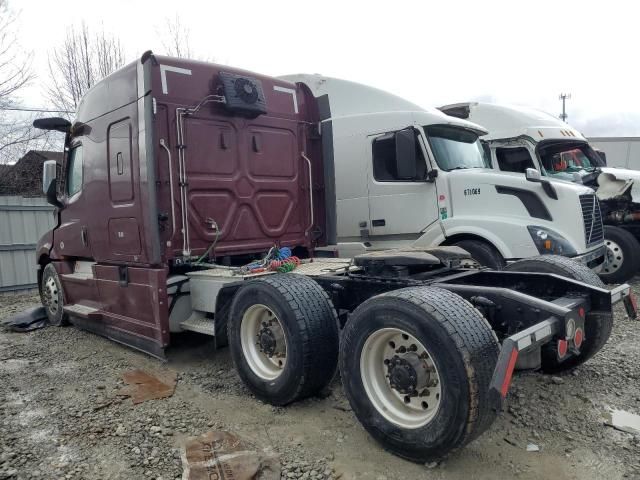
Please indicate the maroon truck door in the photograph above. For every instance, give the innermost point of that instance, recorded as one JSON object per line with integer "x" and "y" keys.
{"x": 72, "y": 237}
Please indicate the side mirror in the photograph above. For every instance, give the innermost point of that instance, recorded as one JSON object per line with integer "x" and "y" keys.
{"x": 406, "y": 154}
{"x": 49, "y": 183}
{"x": 58, "y": 124}
{"x": 533, "y": 175}
{"x": 603, "y": 156}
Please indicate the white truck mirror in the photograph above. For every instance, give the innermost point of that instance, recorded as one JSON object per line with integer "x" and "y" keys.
{"x": 49, "y": 187}
{"x": 48, "y": 175}
{"x": 533, "y": 175}
{"x": 603, "y": 156}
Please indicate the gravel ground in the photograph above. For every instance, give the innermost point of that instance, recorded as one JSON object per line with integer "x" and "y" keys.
{"x": 60, "y": 416}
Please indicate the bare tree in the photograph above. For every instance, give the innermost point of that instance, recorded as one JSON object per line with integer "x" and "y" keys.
{"x": 82, "y": 60}
{"x": 16, "y": 132}
{"x": 175, "y": 38}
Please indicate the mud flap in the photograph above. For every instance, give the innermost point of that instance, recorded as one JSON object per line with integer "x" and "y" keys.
{"x": 526, "y": 340}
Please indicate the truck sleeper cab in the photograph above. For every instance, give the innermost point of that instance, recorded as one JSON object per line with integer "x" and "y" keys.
{"x": 191, "y": 198}
{"x": 523, "y": 138}
{"x": 450, "y": 197}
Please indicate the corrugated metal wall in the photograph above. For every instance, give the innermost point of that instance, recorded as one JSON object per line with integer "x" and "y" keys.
{"x": 22, "y": 223}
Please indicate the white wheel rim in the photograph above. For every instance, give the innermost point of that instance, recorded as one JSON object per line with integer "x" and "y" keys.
{"x": 258, "y": 321}
{"x": 615, "y": 257}
{"x": 405, "y": 410}
{"x": 51, "y": 295}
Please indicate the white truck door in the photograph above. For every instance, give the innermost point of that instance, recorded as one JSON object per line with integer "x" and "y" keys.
{"x": 402, "y": 202}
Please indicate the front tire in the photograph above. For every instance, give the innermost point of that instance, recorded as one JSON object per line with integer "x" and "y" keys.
{"x": 483, "y": 253}
{"x": 416, "y": 365}
{"x": 597, "y": 325}
{"x": 622, "y": 257}
{"x": 283, "y": 337}
{"x": 52, "y": 296}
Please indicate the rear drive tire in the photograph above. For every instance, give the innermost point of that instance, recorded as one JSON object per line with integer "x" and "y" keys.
{"x": 52, "y": 296}
{"x": 597, "y": 325}
{"x": 483, "y": 253}
{"x": 415, "y": 330}
{"x": 283, "y": 337}
{"x": 623, "y": 255}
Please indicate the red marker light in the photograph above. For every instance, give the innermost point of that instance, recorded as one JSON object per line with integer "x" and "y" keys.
{"x": 581, "y": 312}
{"x": 441, "y": 198}
{"x": 562, "y": 348}
{"x": 507, "y": 378}
{"x": 578, "y": 338}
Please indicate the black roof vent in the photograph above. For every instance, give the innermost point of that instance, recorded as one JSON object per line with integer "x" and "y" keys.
{"x": 458, "y": 111}
{"x": 243, "y": 95}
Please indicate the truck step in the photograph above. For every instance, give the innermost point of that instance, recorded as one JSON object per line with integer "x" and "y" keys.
{"x": 78, "y": 276}
{"x": 199, "y": 323}
{"x": 79, "y": 310}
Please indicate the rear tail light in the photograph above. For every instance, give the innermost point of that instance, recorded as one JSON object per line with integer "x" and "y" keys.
{"x": 563, "y": 348}
{"x": 578, "y": 338}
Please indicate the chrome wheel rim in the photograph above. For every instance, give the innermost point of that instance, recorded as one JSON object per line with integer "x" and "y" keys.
{"x": 615, "y": 257}
{"x": 400, "y": 378}
{"x": 264, "y": 343}
{"x": 470, "y": 263}
{"x": 51, "y": 299}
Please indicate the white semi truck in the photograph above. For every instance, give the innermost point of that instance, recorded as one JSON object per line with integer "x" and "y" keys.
{"x": 523, "y": 138}
{"x": 406, "y": 176}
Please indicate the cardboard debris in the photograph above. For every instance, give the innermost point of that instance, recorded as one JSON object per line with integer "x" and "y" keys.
{"x": 223, "y": 455}
{"x": 623, "y": 421}
{"x": 142, "y": 386}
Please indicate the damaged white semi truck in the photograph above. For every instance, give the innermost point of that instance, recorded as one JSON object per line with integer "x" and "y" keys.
{"x": 195, "y": 197}
{"x": 522, "y": 138}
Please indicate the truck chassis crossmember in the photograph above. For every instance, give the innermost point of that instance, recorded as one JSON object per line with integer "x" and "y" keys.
{"x": 522, "y": 319}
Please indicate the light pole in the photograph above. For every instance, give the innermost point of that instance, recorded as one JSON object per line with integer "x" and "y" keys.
{"x": 564, "y": 97}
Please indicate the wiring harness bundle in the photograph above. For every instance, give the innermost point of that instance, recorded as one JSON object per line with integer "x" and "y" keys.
{"x": 277, "y": 260}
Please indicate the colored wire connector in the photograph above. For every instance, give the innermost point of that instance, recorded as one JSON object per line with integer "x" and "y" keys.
{"x": 284, "y": 266}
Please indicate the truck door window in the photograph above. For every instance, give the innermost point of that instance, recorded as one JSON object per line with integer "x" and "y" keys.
{"x": 514, "y": 159}
{"x": 74, "y": 171}
{"x": 384, "y": 160}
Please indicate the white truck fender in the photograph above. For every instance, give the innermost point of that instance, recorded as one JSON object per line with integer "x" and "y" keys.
{"x": 435, "y": 237}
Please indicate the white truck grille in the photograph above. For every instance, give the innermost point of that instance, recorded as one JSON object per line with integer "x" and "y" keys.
{"x": 592, "y": 217}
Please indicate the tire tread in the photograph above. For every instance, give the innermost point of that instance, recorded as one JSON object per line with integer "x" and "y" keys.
{"x": 317, "y": 323}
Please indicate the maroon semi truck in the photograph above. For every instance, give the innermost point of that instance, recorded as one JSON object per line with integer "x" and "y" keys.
{"x": 195, "y": 197}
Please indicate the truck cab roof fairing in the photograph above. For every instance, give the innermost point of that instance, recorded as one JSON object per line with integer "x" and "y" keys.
{"x": 348, "y": 99}
{"x": 512, "y": 121}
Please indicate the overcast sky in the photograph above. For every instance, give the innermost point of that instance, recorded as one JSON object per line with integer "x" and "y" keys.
{"x": 431, "y": 53}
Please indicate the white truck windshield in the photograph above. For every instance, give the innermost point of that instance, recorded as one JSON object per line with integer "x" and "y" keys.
{"x": 455, "y": 148}
{"x": 569, "y": 157}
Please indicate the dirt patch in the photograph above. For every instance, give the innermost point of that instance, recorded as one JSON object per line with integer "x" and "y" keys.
{"x": 61, "y": 417}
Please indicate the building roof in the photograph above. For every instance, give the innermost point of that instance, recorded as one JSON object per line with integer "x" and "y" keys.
{"x": 25, "y": 176}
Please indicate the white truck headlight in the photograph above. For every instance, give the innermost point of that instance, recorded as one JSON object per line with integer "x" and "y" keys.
{"x": 549, "y": 242}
